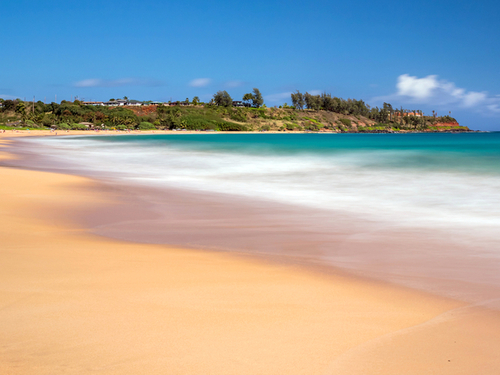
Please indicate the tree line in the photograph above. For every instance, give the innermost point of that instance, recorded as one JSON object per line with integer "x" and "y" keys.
{"x": 39, "y": 113}
{"x": 354, "y": 107}
{"x": 252, "y": 99}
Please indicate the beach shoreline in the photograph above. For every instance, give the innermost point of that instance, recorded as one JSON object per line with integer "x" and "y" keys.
{"x": 75, "y": 302}
{"x": 427, "y": 258}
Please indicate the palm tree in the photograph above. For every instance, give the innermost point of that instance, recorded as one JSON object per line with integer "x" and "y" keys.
{"x": 21, "y": 109}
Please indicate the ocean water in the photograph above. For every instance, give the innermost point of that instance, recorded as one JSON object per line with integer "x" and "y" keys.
{"x": 421, "y": 210}
{"x": 444, "y": 180}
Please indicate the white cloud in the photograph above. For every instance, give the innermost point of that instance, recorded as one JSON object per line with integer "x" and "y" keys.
{"x": 439, "y": 92}
{"x": 97, "y": 82}
{"x": 234, "y": 84}
{"x": 474, "y": 98}
{"x": 495, "y": 108}
{"x": 200, "y": 82}
{"x": 91, "y": 82}
{"x": 419, "y": 88}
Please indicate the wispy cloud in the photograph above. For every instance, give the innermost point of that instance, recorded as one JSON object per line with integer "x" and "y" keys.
{"x": 6, "y": 96}
{"x": 7, "y": 93}
{"x": 200, "y": 82}
{"x": 97, "y": 82}
{"x": 432, "y": 90}
{"x": 278, "y": 98}
{"x": 234, "y": 84}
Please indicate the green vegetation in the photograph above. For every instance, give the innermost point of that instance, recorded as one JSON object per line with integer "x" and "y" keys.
{"x": 78, "y": 127}
{"x": 239, "y": 115}
{"x": 308, "y": 113}
{"x": 346, "y": 122}
{"x": 298, "y": 100}
{"x": 222, "y": 98}
{"x": 146, "y": 126}
{"x": 254, "y": 99}
{"x": 63, "y": 126}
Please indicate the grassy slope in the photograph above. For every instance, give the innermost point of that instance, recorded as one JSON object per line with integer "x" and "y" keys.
{"x": 281, "y": 119}
{"x": 310, "y": 120}
{"x": 270, "y": 119}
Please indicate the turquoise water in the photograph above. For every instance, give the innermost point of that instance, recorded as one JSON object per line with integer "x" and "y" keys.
{"x": 408, "y": 179}
{"x": 470, "y": 152}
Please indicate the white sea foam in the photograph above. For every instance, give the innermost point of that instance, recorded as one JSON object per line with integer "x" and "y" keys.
{"x": 361, "y": 182}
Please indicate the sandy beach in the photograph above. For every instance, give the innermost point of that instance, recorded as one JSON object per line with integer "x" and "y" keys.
{"x": 73, "y": 302}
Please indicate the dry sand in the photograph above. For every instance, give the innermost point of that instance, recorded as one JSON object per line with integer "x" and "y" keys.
{"x": 75, "y": 303}
{"x": 48, "y": 133}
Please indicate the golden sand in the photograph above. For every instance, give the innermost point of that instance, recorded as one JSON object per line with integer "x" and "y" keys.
{"x": 75, "y": 303}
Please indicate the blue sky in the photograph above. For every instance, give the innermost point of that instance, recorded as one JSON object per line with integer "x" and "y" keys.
{"x": 430, "y": 55}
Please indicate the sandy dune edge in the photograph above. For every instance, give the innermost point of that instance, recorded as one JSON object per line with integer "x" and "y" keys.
{"x": 73, "y": 303}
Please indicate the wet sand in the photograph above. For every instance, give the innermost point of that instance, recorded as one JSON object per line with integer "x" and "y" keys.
{"x": 75, "y": 302}
{"x": 451, "y": 262}
{"x": 427, "y": 259}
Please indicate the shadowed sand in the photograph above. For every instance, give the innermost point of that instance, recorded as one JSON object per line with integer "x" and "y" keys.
{"x": 75, "y": 303}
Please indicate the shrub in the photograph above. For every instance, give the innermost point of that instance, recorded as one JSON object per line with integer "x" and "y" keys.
{"x": 447, "y": 119}
{"x": 345, "y": 121}
{"x": 63, "y": 126}
{"x": 312, "y": 127}
{"x": 239, "y": 115}
{"x": 48, "y": 120}
{"x": 262, "y": 113}
{"x": 146, "y": 126}
{"x": 290, "y": 127}
{"x": 78, "y": 127}
{"x": 310, "y": 119}
{"x": 230, "y": 126}
{"x": 200, "y": 122}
